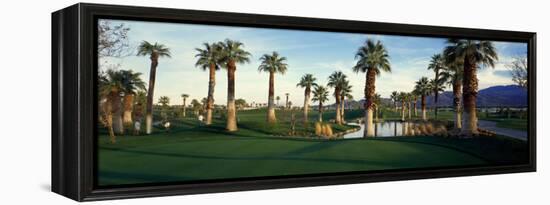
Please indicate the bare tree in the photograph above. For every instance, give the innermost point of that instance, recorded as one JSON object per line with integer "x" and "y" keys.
{"x": 113, "y": 39}
{"x": 518, "y": 68}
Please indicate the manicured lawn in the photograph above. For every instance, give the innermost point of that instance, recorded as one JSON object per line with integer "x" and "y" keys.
{"x": 191, "y": 151}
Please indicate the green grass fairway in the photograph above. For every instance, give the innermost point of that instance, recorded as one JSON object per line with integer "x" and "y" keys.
{"x": 196, "y": 152}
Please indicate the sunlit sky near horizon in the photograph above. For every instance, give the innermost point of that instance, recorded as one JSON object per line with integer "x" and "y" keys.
{"x": 318, "y": 53}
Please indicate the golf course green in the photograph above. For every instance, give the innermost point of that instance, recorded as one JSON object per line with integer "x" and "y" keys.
{"x": 191, "y": 151}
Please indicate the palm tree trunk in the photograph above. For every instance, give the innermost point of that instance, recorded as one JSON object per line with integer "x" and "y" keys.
{"x": 414, "y": 105}
{"x": 271, "y": 118}
{"x": 286, "y": 105}
{"x": 403, "y": 105}
{"x": 469, "y": 96}
{"x": 231, "y": 110}
{"x": 457, "y": 92}
{"x": 409, "y": 109}
{"x": 320, "y": 111}
{"x": 375, "y": 116}
{"x": 436, "y": 97}
{"x": 338, "y": 114}
{"x": 210, "y": 99}
{"x": 184, "y": 107}
{"x": 369, "y": 97}
{"x": 150, "y": 93}
{"x": 108, "y": 113}
{"x": 118, "y": 124}
{"x": 306, "y": 103}
{"x": 128, "y": 108}
{"x": 423, "y": 105}
{"x": 342, "y": 108}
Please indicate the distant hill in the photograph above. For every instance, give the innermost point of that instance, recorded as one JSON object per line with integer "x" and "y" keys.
{"x": 502, "y": 95}
{"x": 505, "y": 95}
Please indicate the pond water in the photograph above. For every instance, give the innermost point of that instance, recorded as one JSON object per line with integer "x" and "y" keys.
{"x": 384, "y": 129}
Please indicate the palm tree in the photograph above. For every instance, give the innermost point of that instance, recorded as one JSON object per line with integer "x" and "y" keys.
{"x": 278, "y": 98}
{"x": 307, "y": 81}
{"x": 232, "y": 53}
{"x": 455, "y": 81}
{"x": 272, "y": 64}
{"x": 423, "y": 88}
{"x": 131, "y": 84}
{"x": 184, "y": 106}
{"x": 403, "y": 98}
{"x": 154, "y": 51}
{"x": 286, "y": 104}
{"x": 110, "y": 86}
{"x": 196, "y": 106}
{"x": 410, "y": 98}
{"x": 320, "y": 94}
{"x": 414, "y": 94}
{"x": 393, "y": 97}
{"x": 337, "y": 80}
{"x": 472, "y": 54}
{"x": 372, "y": 59}
{"x": 208, "y": 59}
{"x": 140, "y": 100}
{"x": 164, "y": 101}
{"x": 437, "y": 64}
{"x": 345, "y": 93}
{"x": 437, "y": 86}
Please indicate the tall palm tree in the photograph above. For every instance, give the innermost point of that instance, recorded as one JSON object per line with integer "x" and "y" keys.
{"x": 307, "y": 82}
{"x": 437, "y": 64}
{"x": 455, "y": 81}
{"x": 272, "y": 64}
{"x": 320, "y": 94}
{"x": 423, "y": 88}
{"x": 345, "y": 93}
{"x": 278, "y": 98}
{"x": 131, "y": 85}
{"x": 232, "y": 53}
{"x": 337, "y": 80}
{"x": 473, "y": 54}
{"x": 184, "y": 106}
{"x": 208, "y": 59}
{"x": 393, "y": 97}
{"x": 154, "y": 51}
{"x": 372, "y": 59}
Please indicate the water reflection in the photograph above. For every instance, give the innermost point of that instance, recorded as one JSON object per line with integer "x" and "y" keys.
{"x": 395, "y": 128}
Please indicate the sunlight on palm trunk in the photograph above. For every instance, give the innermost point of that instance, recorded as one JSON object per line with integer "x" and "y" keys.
{"x": 369, "y": 96}
{"x": 150, "y": 94}
{"x": 210, "y": 99}
{"x": 231, "y": 110}
{"x": 271, "y": 118}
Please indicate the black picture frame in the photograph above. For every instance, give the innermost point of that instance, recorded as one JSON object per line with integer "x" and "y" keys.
{"x": 74, "y": 96}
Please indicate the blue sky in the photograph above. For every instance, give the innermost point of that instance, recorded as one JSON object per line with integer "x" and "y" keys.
{"x": 319, "y": 53}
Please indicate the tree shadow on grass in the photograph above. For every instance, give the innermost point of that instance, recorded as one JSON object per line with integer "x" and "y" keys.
{"x": 134, "y": 177}
{"x": 288, "y": 157}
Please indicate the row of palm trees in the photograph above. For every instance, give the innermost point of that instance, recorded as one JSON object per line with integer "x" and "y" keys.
{"x": 459, "y": 62}
{"x": 118, "y": 89}
{"x": 456, "y": 66}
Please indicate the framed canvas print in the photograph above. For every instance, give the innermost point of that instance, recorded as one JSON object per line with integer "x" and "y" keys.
{"x": 154, "y": 102}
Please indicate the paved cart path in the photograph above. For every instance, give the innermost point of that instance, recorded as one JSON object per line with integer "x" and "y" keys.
{"x": 490, "y": 125}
